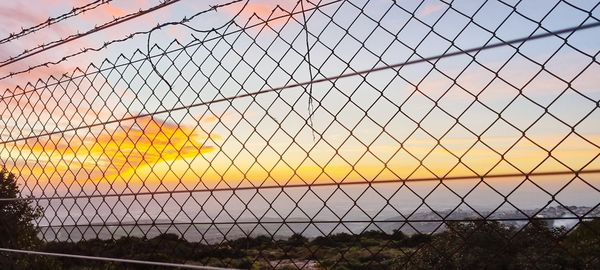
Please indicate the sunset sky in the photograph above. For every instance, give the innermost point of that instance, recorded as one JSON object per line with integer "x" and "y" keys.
{"x": 384, "y": 126}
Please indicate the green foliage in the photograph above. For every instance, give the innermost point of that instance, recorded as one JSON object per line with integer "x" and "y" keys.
{"x": 584, "y": 243}
{"x": 297, "y": 239}
{"x": 17, "y": 230}
{"x": 492, "y": 245}
{"x": 16, "y": 217}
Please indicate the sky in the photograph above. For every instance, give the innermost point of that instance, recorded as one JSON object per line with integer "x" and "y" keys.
{"x": 528, "y": 111}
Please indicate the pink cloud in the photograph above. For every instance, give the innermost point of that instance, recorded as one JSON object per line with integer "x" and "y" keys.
{"x": 13, "y": 18}
{"x": 263, "y": 10}
{"x": 431, "y": 8}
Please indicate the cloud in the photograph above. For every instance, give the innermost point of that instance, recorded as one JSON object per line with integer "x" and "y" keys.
{"x": 115, "y": 10}
{"x": 15, "y": 17}
{"x": 109, "y": 154}
{"x": 430, "y": 9}
{"x": 104, "y": 13}
{"x": 261, "y": 10}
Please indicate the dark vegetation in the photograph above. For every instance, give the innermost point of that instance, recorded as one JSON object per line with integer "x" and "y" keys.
{"x": 462, "y": 245}
{"x": 17, "y": 230}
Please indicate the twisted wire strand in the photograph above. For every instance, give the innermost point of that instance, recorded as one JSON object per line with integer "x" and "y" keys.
{"x": 115, "y": 22}
{"x": 54, "y": 20}
{"x": 196, "y": 42}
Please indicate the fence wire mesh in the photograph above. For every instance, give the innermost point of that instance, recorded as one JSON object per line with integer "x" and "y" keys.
{"x": 334, "y": 135}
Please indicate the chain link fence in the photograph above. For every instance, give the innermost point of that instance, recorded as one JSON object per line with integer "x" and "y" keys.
{"x": 332, "y": 135}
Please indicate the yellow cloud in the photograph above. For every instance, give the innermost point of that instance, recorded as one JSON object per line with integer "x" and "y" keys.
{"x": 143, "y": 142}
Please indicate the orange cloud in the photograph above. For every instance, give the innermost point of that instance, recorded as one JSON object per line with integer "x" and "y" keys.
{"x": 149, "y": 152}
{"x": 261, "y": 10}
{"x": 111, "y": 154}
{"x": 104, "y": 13}
{"x": 114, "y": 10}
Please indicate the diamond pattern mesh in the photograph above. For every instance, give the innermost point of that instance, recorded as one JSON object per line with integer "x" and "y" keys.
{"x": 222, "y": 143}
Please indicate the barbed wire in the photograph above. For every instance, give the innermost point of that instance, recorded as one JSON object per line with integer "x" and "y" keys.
{"x": 132, "y": 35}
{"x": 54, "y": 20}
{"x": 116, "y": 21}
